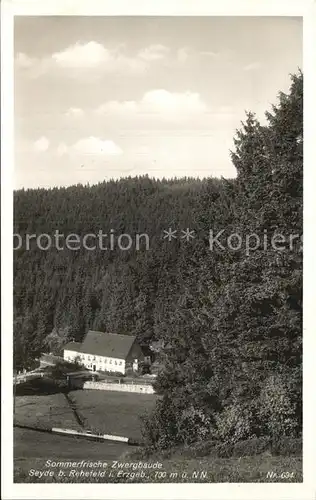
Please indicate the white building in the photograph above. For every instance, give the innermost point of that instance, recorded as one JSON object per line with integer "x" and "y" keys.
{"x": 109, "y": 352}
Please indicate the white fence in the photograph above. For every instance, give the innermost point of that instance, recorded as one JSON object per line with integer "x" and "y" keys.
{"x": 109, "y": 437}
{"x": 24, "y": 377}
{"x": 104, "y": 386}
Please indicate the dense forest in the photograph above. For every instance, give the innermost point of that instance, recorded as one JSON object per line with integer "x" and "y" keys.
{"x": 229, "y": 317}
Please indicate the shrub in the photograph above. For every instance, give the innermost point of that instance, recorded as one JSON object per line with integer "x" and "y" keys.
{"x": 159, "y": 428}
{"x": 132, "y": 373}
{"x": 173, "y": 422}
{"x": 234, "y": 423}
{"x": 278, "y": 407}
{"x": 256, "y": 446}
{"x": 287, "y": 446}
{"x": 199, "y": 450}
{"x": 250, "y": 447}
{"x": 112, "y": 374}
{"x": 193, "y": 425}
{"x": 224, "y": 450}
{"x": 61, "y": 368}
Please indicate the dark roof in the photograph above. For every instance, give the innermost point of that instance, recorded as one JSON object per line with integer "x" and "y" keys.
{"x": 72, "y": 346}
{"x": 107, "y": 344}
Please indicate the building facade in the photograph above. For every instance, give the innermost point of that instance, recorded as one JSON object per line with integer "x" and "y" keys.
{"x": 108, "y": 352}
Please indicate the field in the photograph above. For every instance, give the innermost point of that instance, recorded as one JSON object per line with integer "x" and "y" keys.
{"x": 45, "y": 411}
{"x": 113, "y": 412}
{"x": 33, "y": 449}
{"x": 234, "y": 470}
{"x": 108, "y": 412}
{"x": 118, "y": 413}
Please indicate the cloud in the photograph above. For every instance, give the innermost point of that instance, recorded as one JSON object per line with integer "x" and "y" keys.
{"x": 23, "y": 61}
{"x": 154, "y": 52}
{"x": 252, "y": 66}
{"x": 41, "y": 145}
{"x": 91, "y": 146}
{"x": 157, "y": 102}
{"x": 81, "y": 55}
{"x": 117, "y": 107}
{"x": 33, "y": 67}
{"x": 74, "y": 113}
{"x": 93, "y": 56}
{"x": 161, "y": 101}
{"x": 209, "y": 53}
{"x": 62, "y": 149}
{"x": 96, "y": 57}
{"x": 183, "y": 55}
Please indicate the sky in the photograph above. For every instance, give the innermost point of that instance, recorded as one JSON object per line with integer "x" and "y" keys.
{"x": 109, "y": 97}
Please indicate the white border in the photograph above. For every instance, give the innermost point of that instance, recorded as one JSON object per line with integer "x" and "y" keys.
{"x": 305, "y": 490}
{"x": 161, "y": 8}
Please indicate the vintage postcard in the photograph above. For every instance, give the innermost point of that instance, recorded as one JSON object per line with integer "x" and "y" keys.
{"x": 153, "y": 164}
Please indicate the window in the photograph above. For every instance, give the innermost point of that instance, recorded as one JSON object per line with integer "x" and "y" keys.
{"x": 115, "y": 362}
{"x": 120, "y": 363}
{"x": 88, "y": 358}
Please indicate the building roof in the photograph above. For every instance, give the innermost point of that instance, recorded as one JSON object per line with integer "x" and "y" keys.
{"x": 111, "y": 345}
{"x": 72, "y": 346}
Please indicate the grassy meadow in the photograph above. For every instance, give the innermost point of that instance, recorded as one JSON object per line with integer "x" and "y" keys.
{"x": 118, "y": 413}
{"x": 45, "y": 411}
{"x": 113, "y": 412}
